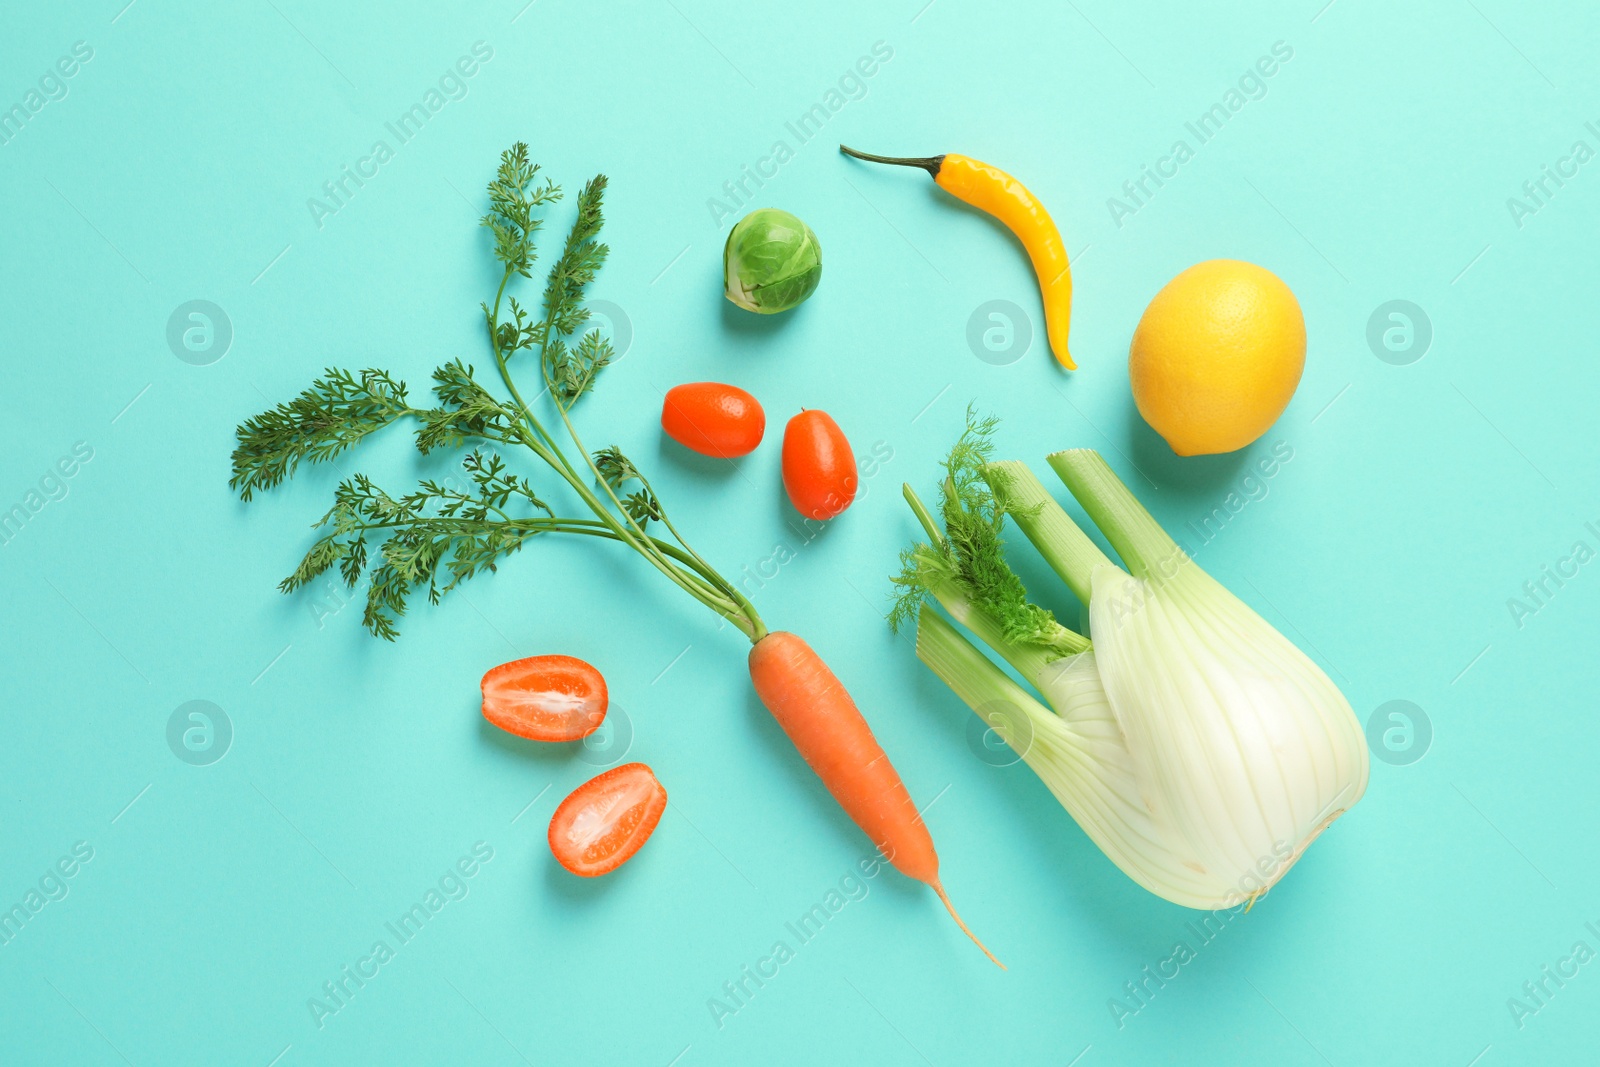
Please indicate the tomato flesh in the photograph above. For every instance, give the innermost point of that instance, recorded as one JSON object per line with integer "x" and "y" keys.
{"x": 545, "y": 698}
{"x": 603, "y": 822}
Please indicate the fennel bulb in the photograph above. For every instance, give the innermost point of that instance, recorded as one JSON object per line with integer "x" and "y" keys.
{"x": 1196, "y": 746}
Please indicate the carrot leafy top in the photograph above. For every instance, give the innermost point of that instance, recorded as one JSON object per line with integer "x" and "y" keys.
{"x": 446, "y": 531}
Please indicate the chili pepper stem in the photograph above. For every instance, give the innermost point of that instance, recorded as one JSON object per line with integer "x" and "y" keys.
{"x": 931, "y": 164}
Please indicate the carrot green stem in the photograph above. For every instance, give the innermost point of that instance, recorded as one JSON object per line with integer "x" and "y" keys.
{"x": 684, "y": 568}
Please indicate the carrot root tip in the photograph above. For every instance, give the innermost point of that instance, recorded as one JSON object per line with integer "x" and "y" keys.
{"x": 951, "y": 908}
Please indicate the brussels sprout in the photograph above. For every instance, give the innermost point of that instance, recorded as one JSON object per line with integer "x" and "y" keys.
{"x": 772, "y": 262}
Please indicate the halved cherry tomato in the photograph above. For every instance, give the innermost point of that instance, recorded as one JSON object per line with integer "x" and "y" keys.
{"x": 819, "y": 470}
{"x": 713, "y": 419}
{"x": 603, "y": 822}
{"x": 545, "y": 698}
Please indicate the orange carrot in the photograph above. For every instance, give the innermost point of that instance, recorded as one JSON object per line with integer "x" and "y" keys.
{"x": 812, "y": 706}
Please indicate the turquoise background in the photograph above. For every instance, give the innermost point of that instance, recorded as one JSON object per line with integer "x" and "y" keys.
{"x": 1419, "y": 499}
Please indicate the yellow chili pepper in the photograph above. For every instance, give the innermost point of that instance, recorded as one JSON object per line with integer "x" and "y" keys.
{"x": 991, "y": 189}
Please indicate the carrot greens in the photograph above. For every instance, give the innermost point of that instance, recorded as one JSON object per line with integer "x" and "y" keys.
{"x": 438, "y": 536}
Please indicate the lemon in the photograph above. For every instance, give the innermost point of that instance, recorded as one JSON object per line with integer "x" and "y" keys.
{"x": 1217, "y": 355}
